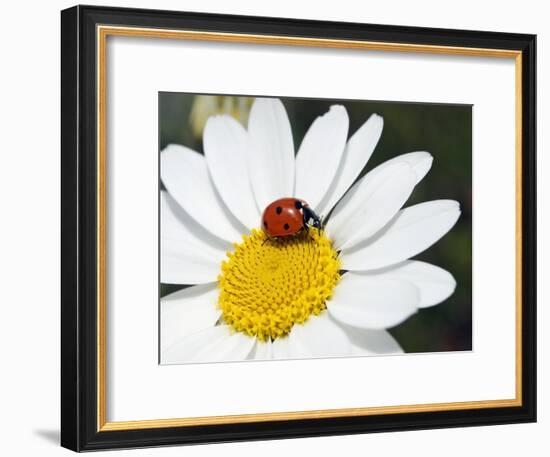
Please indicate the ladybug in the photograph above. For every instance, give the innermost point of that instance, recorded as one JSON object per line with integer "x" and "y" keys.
{"x": 287, "y": 217}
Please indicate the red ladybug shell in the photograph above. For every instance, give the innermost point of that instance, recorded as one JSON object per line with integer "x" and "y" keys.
{"x": 283, "y": 217}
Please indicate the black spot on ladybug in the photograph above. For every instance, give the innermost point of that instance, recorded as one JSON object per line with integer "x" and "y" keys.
{"x": 278, "y": 210}
{"x": 265, "y": 224}
{"x": 298, "y": 204}
{"x": 286, "y": 226}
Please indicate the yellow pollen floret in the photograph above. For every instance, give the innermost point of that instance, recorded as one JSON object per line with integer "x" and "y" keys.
{"x": 268, "y": 286}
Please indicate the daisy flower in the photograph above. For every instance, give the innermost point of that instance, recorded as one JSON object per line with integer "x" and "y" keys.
{"x": 327, "y": 293}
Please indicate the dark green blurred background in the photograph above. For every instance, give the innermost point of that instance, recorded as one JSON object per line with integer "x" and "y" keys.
{"x": 443, "y": 130}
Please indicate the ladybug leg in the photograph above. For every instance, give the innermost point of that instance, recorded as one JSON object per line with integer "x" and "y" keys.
{"x": 306, "y": 218}
{"x": 320, "y": 224}
{"x": 305, "y": 228}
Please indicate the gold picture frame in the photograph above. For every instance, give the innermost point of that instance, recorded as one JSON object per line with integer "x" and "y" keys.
{"x": 83, "y": 23}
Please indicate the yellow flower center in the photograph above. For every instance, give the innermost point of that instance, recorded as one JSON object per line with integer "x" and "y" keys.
{"x": 268, "y": 286}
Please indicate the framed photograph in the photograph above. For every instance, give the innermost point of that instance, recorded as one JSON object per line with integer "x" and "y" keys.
{"x": 277, "y": 228}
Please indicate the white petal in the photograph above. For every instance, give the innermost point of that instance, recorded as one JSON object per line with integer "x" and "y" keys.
{"x": 192, "y": 268}
{"x": 412, "y": 231}
{"x": 187, "y": 311}
{"x": 185, "y": 349}
{"x": 373, "y": 303}
{"x": 263, "y": 350}
{"x": 176, "y": 224}
{"x": 185, "y": 175}
{"x": 280, "y": 349}
{"x": 290, "y": 347}
{"x": 371, "y": 342}
{"x": 358, "y": 150}
{"x": 320, "y": 336}
{"x": 420, "y": 161}
{"x": 271, "y": 152}
{"x": 370, "y": 204}
{"x": 320, "y": 154}
{"x": 296, "y": 346}
{"x": 225, "y": 149}
{"x": 416, "y": 162}
{"x": 233, "y": 347}
{"x": 189, "y": 255}
{"x": 434, "y": 283}
{"x": 213, "y": 344}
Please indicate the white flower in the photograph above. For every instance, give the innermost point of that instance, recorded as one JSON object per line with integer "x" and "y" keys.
{"x": 328, "y": 294}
